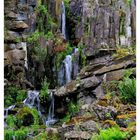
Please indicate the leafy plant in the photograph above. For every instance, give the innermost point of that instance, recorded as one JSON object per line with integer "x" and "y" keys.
{"x": 82, "y": 55}
{"x": 13, "y": 94}
{"x": 11, "y": 121}
{"x": 73, "y": 108}
{"x": 113, "y": 133}
{"x": 33, "y": 37}
{"x": 61, "y": 55}
{"x": 49, "y": 35}
{"x": 133, "y": 138}
{"x": 20, "y": 134}
{"x": 127, "y": 88}
{"x": 66, "y": 118}
{"x": 44, "y": 90}
{"x": 42, "y": 9}
{"x": 8, "y": 134}
{"x": 128, "y": 2}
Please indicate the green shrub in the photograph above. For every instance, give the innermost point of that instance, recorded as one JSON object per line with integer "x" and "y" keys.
{"x": 66, "y": 118}
{"x": 133, "y": 138}
{"x": 44, "y": 93}
{"x": 11, "y": 121}
{"x": 42, "y": 9}
{"x": 49, "y": 35}
{"x": 13, "y": 95}
{"x": 8, "y": 134}
{"x": 20, "y": 134}
{"x": 113, "y": 133}
{"x": 33, "y": 37}
{"x": 73, "y": 108}
{"x": 127, "y": 89}
{"x": 82, "y": 55}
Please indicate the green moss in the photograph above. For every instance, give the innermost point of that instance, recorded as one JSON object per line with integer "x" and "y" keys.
{"x": 27, "y": 116}
{"x": 128, "y": 2}
{"x": 46, "y": 136}
{"x": 18, "y": 39}
{"x": 122, "y": 24}
{"x": 82, "y": 55}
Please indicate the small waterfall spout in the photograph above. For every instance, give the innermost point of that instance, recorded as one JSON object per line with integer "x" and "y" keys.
{"x": 50, "y": 119}
{"x": 68, "y": 68}
{"x": 33, "y": 100}
{"x": 63, "y": 20}
{"x": 65, "y": 73}
{"x": 7, "y": 110}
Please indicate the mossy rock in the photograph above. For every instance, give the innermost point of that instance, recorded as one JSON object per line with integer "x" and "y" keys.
{"x": 27, "y": 116}
{"x": 46, "y": 136}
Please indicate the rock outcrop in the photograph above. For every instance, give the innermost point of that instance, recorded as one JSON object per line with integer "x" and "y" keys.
{"x": 103, "y": 24}
{"x": 92, "y": 76}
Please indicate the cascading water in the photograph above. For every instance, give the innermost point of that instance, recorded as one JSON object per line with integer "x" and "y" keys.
{"x": 50, "y": 119}
{"x": 7, "y": 110}
{"x": 63, "y": 20}
{"x": 68, "y": 68}
{"x": 33, "y": 100}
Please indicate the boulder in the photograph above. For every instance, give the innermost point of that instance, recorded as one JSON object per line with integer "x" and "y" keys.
{"x": 103, "y": 112}
{"x": 15, "y": 56}
{"x": 89, "y": 83}
{"x": 16, "y": 25}
{"x": 98, "y": 92}
{"x": 76, "y": 86}
{"x": 114, "y": 75}
{"x": 11, "y": 15}
{"x": 89, "y": 126}
{"x": 76, "y": 135}
{"x": 68, "y": 88}
{"x": 11, "y": 36}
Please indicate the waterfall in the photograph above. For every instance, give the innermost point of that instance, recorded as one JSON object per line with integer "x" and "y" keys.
{"x": 63, "y": 20}
{"x": 65, "y": 72}
{"x": 68, "y": 68}
{"x": 7, "y": 110}
{"x": 33, "y": 100}
{"x": 50, "y": 119}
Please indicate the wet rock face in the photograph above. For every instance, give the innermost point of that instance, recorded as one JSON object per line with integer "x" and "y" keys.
{"x": 105, "y": 23}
